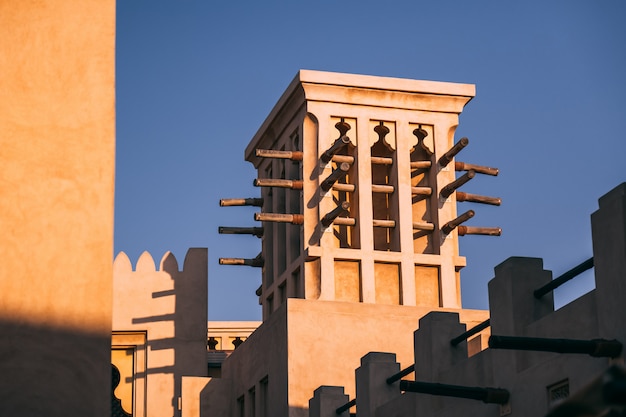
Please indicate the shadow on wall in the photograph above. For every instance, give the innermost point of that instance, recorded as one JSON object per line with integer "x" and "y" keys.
{"x": 44, "y": 370}
{"x": 170, "y": 306}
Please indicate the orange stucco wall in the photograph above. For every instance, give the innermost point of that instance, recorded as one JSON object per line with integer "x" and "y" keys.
{"x": 57, "y": 151}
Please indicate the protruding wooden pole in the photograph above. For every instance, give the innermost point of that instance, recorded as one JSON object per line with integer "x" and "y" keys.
{"x": 271, "y": 153}
{"x": 279, "y": 218}
{"x": 340, "y": 410}
{"x": 428, "y": 227}
{"x": 228, "y": 202}
{"x": 343, "y": 158}
{"x": 475, "y": 198}
{"x": 336, "y": 147}
{"x": 384, "y": 189}
{"x": 562, "y": 279}
{"x": 381, "y": 160}
{"x": 421, "y": 191}
{"x": 389, "y": 224}
{"x": 342, "y": 208}
{"x": 487, "y": 395}
{"x": 344, "y": 221}
{"x": 348, "y": 188}
{"x": 421, "y": 164}
{"x": 448, "y": 156}
{"x": 257, "y": 262}
{"x": 462, "y": 166}
{"x": 449, "y": 189}
{"x": 599, "y": 348}
{"x": 487, "y": 231}
{"x": 338, "y": 173}
{"x": 275, "y": 182}
{"x": 256, "y": 231}
{"x": 452, "y": 224}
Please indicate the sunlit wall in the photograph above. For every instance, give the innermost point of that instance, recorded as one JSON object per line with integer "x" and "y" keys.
{"x": 57, "y": 145}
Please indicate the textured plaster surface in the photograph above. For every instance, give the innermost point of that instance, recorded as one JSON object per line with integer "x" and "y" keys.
{"x": 58, "y": 140}
{"x": 307, "y": 343}
{"x": 514, "y": 311}
{"x": 362, "y": 262}
{"x": 56, "y": 208}
{"x": 170, "y": 306}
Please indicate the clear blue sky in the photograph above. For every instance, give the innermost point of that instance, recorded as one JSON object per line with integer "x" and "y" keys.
{"x": 195, "y": 80}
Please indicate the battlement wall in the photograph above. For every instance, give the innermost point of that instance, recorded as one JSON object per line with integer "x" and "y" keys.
{"x": 537, "y": 357}
{"x": 169, "y": 307}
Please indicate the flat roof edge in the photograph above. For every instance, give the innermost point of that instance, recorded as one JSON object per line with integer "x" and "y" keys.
{"x": 405, "y": 85}
{"x": 386, "y": 83}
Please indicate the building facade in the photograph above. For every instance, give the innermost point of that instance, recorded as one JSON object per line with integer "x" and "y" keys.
{"x": 360, "y": 233}
{"x": 360, "y": 213}
{"x": 540, "y": 362}
{"x": 57, "y": 118}
{"x": 360, "y": 257}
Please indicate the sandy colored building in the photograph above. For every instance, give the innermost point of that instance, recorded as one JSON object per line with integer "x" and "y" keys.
{"x": 223, "y": 338}
{"x": 362, "y": 205}
{"x": 361, "y": 213}
{"x": 540, "y": 362}
{"x": 57, "y": 146}
{"x": 360, "y": 234}
{"x": 373, "y": 152}
{"x": 159, "y": 329}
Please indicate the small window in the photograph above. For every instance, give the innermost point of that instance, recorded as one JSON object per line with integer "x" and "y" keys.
{"x": 264, "y": 406}
{"x": 270, "y": 304}
{"x": 241, "y": 407}
{"x": 295, "y": 288}
{"x": 252, "y": 397}
{"x": 282, "y": 291}
{"x": 558, "y": 392}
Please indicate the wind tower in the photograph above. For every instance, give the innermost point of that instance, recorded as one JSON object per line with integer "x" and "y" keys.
{"x": 359, "y": 191}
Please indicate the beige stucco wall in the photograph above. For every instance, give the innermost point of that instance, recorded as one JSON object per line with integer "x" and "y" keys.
{"x": 361, "y": 262}
{"x": 57, "y": 118}
{"x": 168, "y": 304}
{"x": 530, "y": 376}
{"x": 225, "y": 332}
{"x": 327, "y": 341}
{"x": 308, "y": 343}
{"x": 262, "y": 356}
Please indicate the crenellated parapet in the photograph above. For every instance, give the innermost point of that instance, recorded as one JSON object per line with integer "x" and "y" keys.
{"x": 160, "y": 319}
{"x": 539, "y": 361}
{"x": 164, "y": 291}
{"x": 194, "y": 259}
